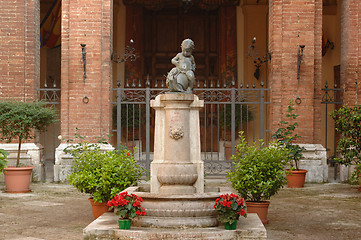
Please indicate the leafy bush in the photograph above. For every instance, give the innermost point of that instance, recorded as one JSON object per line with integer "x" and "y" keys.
{"x": 102, "y": 174}
{"x": 19, "y": 119}
{"x": 258, "y": 171}
{"x": 348, "y": 123}
{"x": 285, "y": 136}
{"x": 3, "y": 161}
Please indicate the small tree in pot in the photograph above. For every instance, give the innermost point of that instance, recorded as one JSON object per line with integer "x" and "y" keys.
{"x": 18, "y": 120}
{"x": 258, "y": 173}
{"x": 285, "y": 136}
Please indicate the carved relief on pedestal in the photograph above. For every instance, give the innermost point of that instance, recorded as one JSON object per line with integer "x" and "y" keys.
{"x": 176, "y": 133}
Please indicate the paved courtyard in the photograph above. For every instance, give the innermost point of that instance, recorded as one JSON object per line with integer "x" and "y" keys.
{"x": 57, "y": 211}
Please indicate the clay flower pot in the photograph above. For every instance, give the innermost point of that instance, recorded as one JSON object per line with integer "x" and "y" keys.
{"x": 261, "y": 208}
{"x": 17, "y": 179}
{"x": 296, "y": 178}
{"x": 98, "y": 208}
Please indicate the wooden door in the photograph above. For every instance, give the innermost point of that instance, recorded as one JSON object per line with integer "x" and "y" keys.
{"x": 164, "y": 31}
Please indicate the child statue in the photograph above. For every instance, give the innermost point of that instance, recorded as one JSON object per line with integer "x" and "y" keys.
{"x": 181, "y": 77}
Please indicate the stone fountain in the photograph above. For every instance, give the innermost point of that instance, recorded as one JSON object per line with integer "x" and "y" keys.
{"x": 176, "y": 203}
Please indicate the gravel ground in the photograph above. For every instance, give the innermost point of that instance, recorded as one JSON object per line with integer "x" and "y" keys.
{"x": 58, "y": 211}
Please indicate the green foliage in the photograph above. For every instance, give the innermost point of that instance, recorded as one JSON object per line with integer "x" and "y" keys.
{"x": 285, "y": 136}
{"x": 3, "y": 161}
{"x": 258, "y": 171}
{"x": 19, "y": 119}
{"x": 348, "y": 123}
{"x": 102, "y": 174}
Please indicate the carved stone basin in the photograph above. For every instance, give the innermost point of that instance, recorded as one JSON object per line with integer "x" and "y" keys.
{"x": 176, "y": 210}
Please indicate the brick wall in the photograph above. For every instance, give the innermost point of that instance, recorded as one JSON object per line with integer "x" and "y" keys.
{"x": 294, "y": 23}
{"x": 86, "y": 22}
{"x": 350, "y": 51}
{"x": 19, "y": 48}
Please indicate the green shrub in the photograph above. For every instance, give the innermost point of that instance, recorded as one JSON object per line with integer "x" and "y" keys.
{"x": 348, "y": 123}
{"x": 3, "y": 161}
{"x": 102, "y": 174}
{"x": 258, "y": 171}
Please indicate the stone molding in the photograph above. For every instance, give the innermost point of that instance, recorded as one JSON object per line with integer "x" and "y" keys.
{"x": 63, "y": 161}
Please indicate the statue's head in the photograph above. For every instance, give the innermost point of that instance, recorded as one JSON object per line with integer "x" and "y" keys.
{"x": 187, "y": 47}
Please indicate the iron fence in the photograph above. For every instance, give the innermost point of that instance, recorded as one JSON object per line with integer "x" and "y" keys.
{"x": 226, "y": 112}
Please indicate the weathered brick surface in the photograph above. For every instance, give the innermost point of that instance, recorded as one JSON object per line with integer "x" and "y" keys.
{"x": 294, "y": 23}
{"x": 350, "y": 51}
{"x": 87, "y": 22}
{"x": 19, "y": 49}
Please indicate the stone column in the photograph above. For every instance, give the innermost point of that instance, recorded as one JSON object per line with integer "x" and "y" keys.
{"x": 177, "y": 167}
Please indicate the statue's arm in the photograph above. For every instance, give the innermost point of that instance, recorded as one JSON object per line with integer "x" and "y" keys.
{"x": 175, "y": 60}
{"x": 193, "y": 63}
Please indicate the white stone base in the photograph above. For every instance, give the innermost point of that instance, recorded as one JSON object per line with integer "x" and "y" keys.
{"x": 346, "y": 172}
{"x": 63, "y": 161}
{"x": 315, "y": 162}
{"x": 31, "y": 154}
{"x": 106, "y": 228}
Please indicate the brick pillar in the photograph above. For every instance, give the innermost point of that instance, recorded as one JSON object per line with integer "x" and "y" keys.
{"x": 86, "y": 102}
{"x": 350, "y": 51}
{"x": 294, "y": 23}
{"x": 19, "y": 49}
{"x": 20, "y": 69}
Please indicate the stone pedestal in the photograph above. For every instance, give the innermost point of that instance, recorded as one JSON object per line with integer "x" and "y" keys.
{"x": 315, "y": 162}
{"x": 177, "y": 167}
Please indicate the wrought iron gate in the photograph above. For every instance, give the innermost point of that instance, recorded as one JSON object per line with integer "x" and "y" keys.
{"x": 333, "y": 97}
{"x": 226, "y": 112}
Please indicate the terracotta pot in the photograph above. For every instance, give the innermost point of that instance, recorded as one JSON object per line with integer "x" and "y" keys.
{"x": 98, "y": 208}
{"x": 227, "y": 150}
{"x": 17, "y": 179}
{"x": 296, "y": 179}
{"x": 261, "y": 208}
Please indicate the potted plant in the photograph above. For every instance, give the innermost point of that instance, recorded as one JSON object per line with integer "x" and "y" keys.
{"x": 102, "y": 174}
{"x": 126, "y": 206}
{"x": 229, "y": 207}
{"x": 285, "y": 136}
{"x": 348, "y": 123}
{"x": 258, "y": 174}
{"x": 18, "y": 120}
